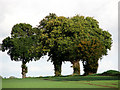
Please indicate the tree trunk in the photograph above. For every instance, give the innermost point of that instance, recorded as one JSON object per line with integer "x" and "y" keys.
{"x": 76, "y": 67}
{"x": 90, "y": 67}
{"x": 57, "y": 68}
{"x": 24, "y": 69}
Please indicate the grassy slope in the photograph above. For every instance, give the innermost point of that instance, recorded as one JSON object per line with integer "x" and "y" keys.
{"x": 63, "y": 82}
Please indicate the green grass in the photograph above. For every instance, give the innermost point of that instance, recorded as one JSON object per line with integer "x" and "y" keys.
{"x": 82, "y": 78}
{"x": 63, "y": 82}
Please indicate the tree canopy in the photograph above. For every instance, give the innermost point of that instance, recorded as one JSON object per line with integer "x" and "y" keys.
{"x": 19, "y": 45}
{"x": 76, "y": 38}
{"x": 63, "y": 38}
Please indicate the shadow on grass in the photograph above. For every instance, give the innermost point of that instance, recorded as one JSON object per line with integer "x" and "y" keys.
{"x": 80, "y": 78}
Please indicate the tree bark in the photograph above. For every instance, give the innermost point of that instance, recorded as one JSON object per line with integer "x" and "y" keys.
{"x": 76, "y": 67}
{"x": 90, "y": 67}
{"x": 24, "y": 69}
{"x": 57, "y": 68}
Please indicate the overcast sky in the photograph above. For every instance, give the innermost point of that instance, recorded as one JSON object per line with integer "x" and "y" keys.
{"x": 32, "y": 11}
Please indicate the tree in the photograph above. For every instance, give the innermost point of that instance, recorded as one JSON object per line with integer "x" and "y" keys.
{"x": 19, "y": 45}
{"x": 59, "y": 41}
{"x": 64, "y": 35}
{"x": 68, "y": 34}
{"x": 50, "y": 41}
{"x": 93, "y": 42}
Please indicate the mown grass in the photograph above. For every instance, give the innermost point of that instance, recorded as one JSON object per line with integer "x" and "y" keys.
{"x": 63, "y": 82}
{"x": 81, "y": 78}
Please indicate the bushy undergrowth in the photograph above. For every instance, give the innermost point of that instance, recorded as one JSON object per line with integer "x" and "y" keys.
{"x": 111, "y": 73}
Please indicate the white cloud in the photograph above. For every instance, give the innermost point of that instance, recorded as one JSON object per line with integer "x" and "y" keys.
{"x": 110, "y": 61}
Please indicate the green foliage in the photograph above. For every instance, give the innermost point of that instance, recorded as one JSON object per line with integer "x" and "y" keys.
{"x": 19, "y": 45}
{"x": 54, "y": 30}
{"x": 75, "y": 38}
{"x": 92, "y": 42}
{"x": 64, "y": 39}
{"x": 21, "y": 30}
{"x": 111, "y": 73}
{"x": 7, "y": 43}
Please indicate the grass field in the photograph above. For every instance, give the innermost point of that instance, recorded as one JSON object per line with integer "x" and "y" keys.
{"x": 63, "y": 82}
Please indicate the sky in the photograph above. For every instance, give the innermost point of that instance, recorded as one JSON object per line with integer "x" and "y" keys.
{"x": 32, "y": 11}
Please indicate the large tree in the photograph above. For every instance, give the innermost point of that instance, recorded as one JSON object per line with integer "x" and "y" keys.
{"x": 60, "y": 41}
{"x": 92, "y": 42}
{"x": 20, "y": 43}
{"x": 65, "y": 37}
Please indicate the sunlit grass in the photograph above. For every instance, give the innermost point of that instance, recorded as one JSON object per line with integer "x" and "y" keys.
{"x": 63, "y": 82}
